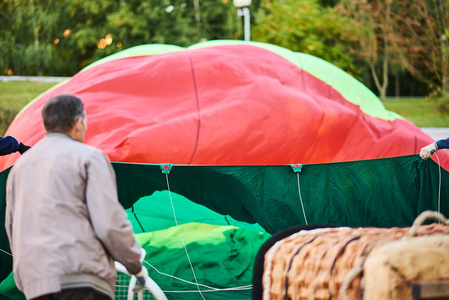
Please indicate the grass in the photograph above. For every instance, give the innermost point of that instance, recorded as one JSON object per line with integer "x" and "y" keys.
{"x": 16, "y": 94}
{"x": 419, "y": 111}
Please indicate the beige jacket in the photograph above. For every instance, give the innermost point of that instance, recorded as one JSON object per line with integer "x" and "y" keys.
{"x": 64, "y": 222}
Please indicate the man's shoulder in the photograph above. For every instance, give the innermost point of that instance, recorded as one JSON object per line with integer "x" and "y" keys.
{"x": 87, "y": 151}
{"x": 86, "y": 147}
{"x": 57, "y": 146}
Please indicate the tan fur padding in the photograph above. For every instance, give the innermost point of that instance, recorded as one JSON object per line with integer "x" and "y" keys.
{"x": 391, "y": 268}
{"x": 314, "y": 264}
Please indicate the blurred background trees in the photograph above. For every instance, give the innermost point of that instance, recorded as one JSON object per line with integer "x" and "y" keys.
{"x": 306, "y": 26}
{"x": 397, "y": 48}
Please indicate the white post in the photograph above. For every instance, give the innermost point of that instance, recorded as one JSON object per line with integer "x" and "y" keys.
{"x": 246, "y": 23}
{"x": 243, "y": 11}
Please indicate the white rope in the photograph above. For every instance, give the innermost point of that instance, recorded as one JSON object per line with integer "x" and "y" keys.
{"x": 238, "y": 288}
{"x": 354, "y": 272}
{"x": 5, "y": 252}
{"x": 300, "y": 199}
{"x": 195, "y": 291}
{"x": 179, "y": 231}
{"x": 425, "y": 215}
{"x": 439, "y": 184}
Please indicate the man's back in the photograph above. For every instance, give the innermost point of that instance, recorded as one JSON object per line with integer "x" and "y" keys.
{"x": 57, "y": 167}
{"x": 50, "y": 185}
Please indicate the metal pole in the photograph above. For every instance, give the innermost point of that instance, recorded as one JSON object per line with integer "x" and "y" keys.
{"x": 244, "y": 12}
{"x": 246, "y": 17}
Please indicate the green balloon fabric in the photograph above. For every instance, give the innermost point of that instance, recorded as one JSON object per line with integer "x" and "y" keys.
{"x": 222, "y": 258}
{"x": 158, "y": 211}
{"x": 9, "y": 290}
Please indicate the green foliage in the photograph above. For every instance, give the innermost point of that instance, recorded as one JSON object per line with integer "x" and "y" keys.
{"x": 58, "y": 38}
{"x": 28, "y": 29}
{"x": 304, "y": 26}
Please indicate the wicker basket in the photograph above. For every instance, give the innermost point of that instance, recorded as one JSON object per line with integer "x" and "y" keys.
{"x": 314, "y": 264}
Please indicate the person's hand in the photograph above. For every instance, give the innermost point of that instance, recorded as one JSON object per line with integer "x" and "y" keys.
{"x": 23, "y": 148}
{"x": 427, "y": 151}
{"x": 141, "y": 280}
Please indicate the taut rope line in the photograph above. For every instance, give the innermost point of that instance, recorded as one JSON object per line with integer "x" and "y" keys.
{"x": 179, "y": 231}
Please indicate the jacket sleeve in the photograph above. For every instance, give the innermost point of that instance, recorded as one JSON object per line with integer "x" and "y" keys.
{"x": 108, "y": 218}
{"x": 8, "y": 145}
{"x": 442, "y": 144}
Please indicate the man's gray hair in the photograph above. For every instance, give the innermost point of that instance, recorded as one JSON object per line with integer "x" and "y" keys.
{"x": 61, "y": 112}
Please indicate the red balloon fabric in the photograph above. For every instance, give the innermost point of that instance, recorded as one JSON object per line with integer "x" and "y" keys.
{"x": 220, "y": 104}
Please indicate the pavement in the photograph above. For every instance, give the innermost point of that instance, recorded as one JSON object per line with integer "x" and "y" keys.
{"x": 33, "y": 78}
{"x": 436, "y": 133}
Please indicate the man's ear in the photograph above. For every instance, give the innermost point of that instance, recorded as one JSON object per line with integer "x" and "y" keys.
{"x": 78, "y": 123}
{"x": 77, "y": 127}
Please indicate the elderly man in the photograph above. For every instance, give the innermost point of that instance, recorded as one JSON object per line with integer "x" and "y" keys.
{"x": 63, "y": 219}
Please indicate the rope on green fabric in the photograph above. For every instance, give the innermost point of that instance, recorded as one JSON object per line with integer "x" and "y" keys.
{"x": 297, "y": 169}
{"x": 211, "y": 289}
{"x": 166, "y": 168}
{"x": 439, "y": 184}
{"x": 137, "y": 219}
{"x": 179, "y": 231}
{"x": 5, "y": 252}
{"x": 300, "y": 199}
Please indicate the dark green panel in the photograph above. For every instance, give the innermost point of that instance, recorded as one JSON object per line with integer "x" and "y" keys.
{"x": 380, "y": 192}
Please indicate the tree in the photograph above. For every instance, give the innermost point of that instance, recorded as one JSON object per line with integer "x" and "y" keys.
{"x": 401, "y": 35}
{"x": 371, "y": 31}
{"x": 421, "y": 27}
{"x": 24, "y": 32}
{"x": 49, "y": 37}
{"x": 304, "y": 26}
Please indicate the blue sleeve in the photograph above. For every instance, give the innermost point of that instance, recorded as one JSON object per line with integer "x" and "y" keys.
{"x": 443, "y": 144}
{"x": 8, "y": 145}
